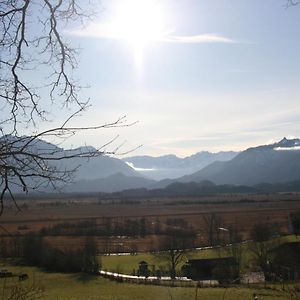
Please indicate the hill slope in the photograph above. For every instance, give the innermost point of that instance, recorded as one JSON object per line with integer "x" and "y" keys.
{"x": 95, "y": 167}
{"x": 279, "y": 162}
{"x": 114, "y": 183}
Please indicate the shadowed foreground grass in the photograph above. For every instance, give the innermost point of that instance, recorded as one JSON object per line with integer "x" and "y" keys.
{"x": 78, "y": 286}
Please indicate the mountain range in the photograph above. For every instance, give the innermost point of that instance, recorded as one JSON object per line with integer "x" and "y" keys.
{"x": 204, "y": 188}
{"x": 88, "y": 170}
{"x": 171, "y": 166}
{"x": 267, "y": 164}
{"x": 275, "y": 163}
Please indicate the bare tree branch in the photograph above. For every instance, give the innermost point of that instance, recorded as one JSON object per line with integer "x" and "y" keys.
{"x": 31, "y": 42}
{"x": 24, "y": 164}
{"x": 290, "y": 3}
{"x": 19, "y": 42}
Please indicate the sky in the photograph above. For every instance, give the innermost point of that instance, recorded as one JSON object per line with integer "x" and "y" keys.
{"x": 196, "y": 74}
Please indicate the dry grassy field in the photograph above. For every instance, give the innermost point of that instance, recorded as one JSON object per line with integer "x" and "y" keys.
{"x": 239, "y": 211}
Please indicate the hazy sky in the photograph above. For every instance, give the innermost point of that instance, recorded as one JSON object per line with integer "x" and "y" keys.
{"x": 197, "y": 75}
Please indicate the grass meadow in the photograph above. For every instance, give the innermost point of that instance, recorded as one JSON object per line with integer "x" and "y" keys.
{"x": 127, "y": 263}
{"x": 56, "y": 286}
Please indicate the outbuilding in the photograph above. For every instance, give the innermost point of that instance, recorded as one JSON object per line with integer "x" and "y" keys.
{"x": 224, "y": 268}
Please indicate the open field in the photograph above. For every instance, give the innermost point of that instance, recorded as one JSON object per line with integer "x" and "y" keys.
{"x": 239, "y": 211}
{"x": 58, "y": 286}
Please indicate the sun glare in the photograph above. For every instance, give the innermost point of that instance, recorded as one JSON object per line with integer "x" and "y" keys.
{"x": 138, "y": 23}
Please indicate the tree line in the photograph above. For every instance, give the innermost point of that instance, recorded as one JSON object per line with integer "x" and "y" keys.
{"x": 32, "y": 249}
{"x": 140, "y": 227}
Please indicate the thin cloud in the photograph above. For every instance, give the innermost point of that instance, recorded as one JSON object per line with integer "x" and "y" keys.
{"x": 295, "y": 148}
{"x": 140, "y": 169}
{"x": 106, "y": 31}
{"x": 197, "y": 39}
{"x": 95, "y": 30}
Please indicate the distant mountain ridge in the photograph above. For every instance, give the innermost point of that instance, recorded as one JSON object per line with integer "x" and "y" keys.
{"x": 204, "y": 188}
{"x": 272, "y": 164}
{"x": 171, "y": 166}
{"x": 275, "y": 163}
{"x": 99, "y": 166}
{"x": 87, "y": 168}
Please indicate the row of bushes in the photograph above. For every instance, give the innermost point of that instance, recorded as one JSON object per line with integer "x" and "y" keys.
{"x": 32, "y": 249}
{"x": 129, "y": 227}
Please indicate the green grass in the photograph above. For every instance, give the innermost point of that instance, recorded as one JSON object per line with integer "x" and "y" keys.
{"x": 127, "y": 263}
{"x": 59, "y": 286}
{"x": 79, "y": 286}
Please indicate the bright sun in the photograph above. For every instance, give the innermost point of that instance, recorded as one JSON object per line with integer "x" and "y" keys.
{"x": 138, "y": 23}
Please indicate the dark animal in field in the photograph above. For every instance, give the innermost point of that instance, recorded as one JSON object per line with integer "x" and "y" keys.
{"x": 23, "y": 276}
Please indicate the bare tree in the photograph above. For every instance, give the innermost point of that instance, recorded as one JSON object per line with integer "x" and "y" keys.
{"x": 292, "y": 3}
{"x": 31, "y": 44}
{"x": 234, "y": 249}
{"x": 212, "y": 225}
{"x": 263, "y": 243}
{"x": 32, "y": 41}
{"x": 175, "y": 246}
{"x": 175, "y": 256}
{"x": 294, "y": 222}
